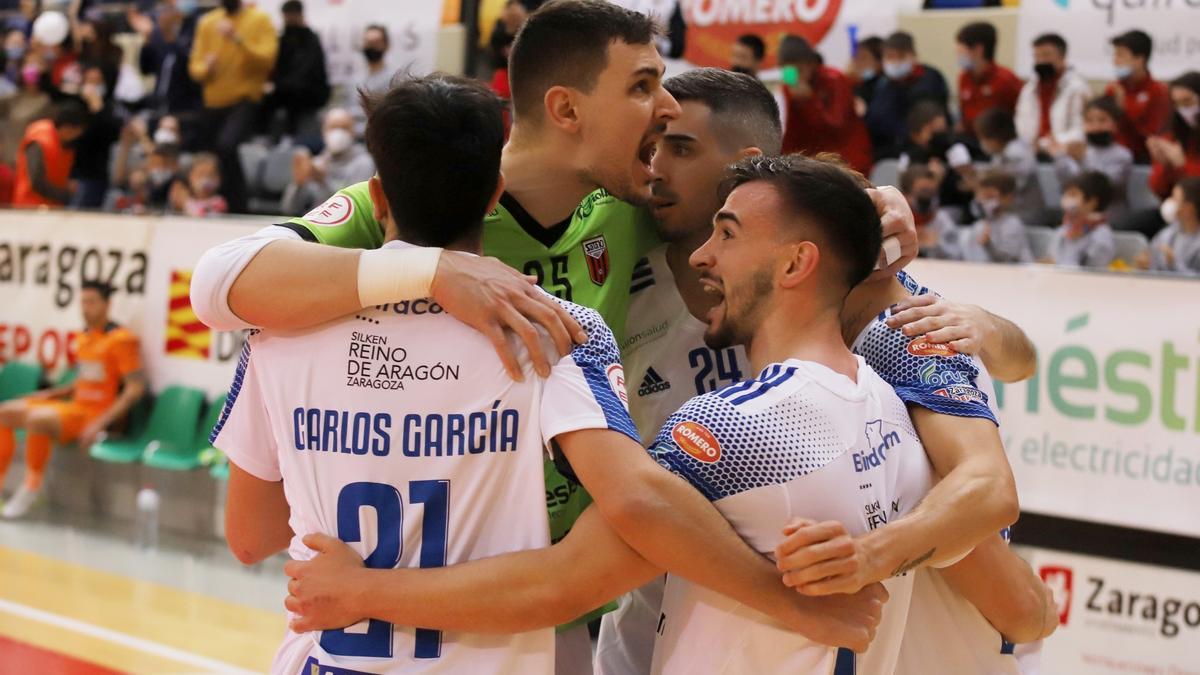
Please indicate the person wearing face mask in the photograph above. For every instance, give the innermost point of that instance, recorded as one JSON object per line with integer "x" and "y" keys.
{"x": 819, "y": 105}
{"x": 1084, "y": 239}
{"x": 997, "y": 133}
{"x": 343, "y": 162}
{"x": 1176, "y": 248}
{"x": 167, "y": 41}
{"x": 198, "y": 196}
{"x": 91, "y": 167}
{"x": 1050, "y": 108}
{"x": 866, "y": 70}
{"x": 983, "y": 84}
{"x": 1097, "y": 151}
{"x": 232, "y": 57}
{"x": 14, "y": 50}
{"x": 930, "y": 143}
{"x": 301, "y": 81}
{"x": 377, "y": 78}
{"x": 45, "y": 155}
{"x": 29, "y": 103}
{"x": 747, "y": 54}
{"x": 1176, "y": 155}
{"x": 1144, "y": 100}
{"x": 999, "y": 233}
{"x": 937, "y": 234}
{"x": 906, "y": 83}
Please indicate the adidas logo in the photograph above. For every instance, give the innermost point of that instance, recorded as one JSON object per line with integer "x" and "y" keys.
{"x": 652, "y": 383}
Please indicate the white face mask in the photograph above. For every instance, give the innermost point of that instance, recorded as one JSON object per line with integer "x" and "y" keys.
{"x": 989, "y": 206}
{"x": 1169, "y": 210}
{"x": 166, "y": 137}
{"x": 1190, "y": 114}
{"x": 897, "y": 70}
{"x": 159, "y": 177}
{"x": 338, "y": 140}
{"x": 1070, "y": 205}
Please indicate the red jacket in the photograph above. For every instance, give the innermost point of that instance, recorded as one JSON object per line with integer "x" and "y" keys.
{"x": 995, "y": 87}
{"x": 1163, "y": 178}
{"x": 826, "y": 121}
{"x": 1147, "y": 107}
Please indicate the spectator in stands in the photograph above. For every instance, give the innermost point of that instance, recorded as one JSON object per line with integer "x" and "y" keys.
{"x": 94, "y": 40}
{"x": 512, "y": 17}
{"x": 94, "y": 147}
{"x": 866, "y": 71}
{"x": 199, "y": 195}
{"x": 8, "y": 178}
{"x": 1176, "y": 248}
{"x": 15, "y": 46}
{"x": 232, "y": 58}
{"x": 1084, "y": 238}
{"x": 937, "y": 234}
{"x": 820, "y": 108}
{"x": 301, "y": 81}
{"x": 135, "y": 197}
{"x": 997, "y": 133}
{"x": 906, "y": 83}
{"x": 999, "y": 234}
{"x": 30, "y": 103}
{"x": 1099, "y": 151}
{"x": 109, "y": 383}
{"x": 164, "y": 55}
{"x": 930, "y": 143}
{"x": 748, "y": 53}
{"x": 62, "y": 74}
{"x": 983, "y": 84}
{"x": 45, "y": 156}
{"x": 377, "y": 78}
{"x": 1050, "y": 108}
{"x": 158, "y": 160}
{"x": 1144, "y": 99}
{"x": 344, "y": 162}
{"x": 1176, "y": 155}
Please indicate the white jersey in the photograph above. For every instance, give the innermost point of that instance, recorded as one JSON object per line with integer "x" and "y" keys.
{"x": 798, "y": 441}
{"x": 398, "y": 431}
{"x": 666, "y": 360}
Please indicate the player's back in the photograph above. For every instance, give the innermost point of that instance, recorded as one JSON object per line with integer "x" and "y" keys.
{"x": 798, "y": 441}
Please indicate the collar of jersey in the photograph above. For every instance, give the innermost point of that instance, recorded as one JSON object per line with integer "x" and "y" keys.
{"x": 546, "y": 236}
{"x": 831, "y": 380}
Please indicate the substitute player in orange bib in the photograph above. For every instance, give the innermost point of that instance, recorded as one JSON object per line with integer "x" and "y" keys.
{"x": 109, "y": 382}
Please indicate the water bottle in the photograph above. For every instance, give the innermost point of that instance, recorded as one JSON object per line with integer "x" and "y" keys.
{"x": 146, "y": 525}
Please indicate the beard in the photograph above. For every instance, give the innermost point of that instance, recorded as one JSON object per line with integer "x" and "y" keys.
{"x": 741, "y": 318}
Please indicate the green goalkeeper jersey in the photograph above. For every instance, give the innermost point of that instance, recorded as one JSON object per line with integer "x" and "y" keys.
{"x": 588, "y": 258}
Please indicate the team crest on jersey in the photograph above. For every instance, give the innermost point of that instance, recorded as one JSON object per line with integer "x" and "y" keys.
{"x": 616, "y": 380}
{"x": 696, "y": 440}
{"x": 595, "y": 251}
{"x": 335, "y": 211}
{"x": 923, "y": 347}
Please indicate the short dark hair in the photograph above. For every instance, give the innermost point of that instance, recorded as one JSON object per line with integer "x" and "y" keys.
{"x": 387, "y": 39}
{"x": 1000, "y": 180}
{"x": 823, "y": 195}
{"x": 1191, "y": 190}
{"x": 901, "y": 42}
{"x": 565, "y": 42}
{"x": 979, "y": 33}
{"x": 1093, "y": 185}
{"x": 104, "y": 288}
{"x": 923, "y": 112}
{"x": 740, "y": 99}
{"x": 914, "y": 173}
{"x": 873, "y": 44}
{"x": 755, "y": 44}
{"x": 1051, "y": 40}
{"x": 292, "y": 7}
{"x": 1107, "y": 105}
{"x": 70, "y": 112}
{"x": 996, "y": 123}
{"x": 795, "y": 49}
{"x": 436, "y": 143}
{"x": 1137, "y": 42}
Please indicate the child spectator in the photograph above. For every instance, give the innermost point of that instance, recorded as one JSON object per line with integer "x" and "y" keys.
{"x": 936, "y": 232}
{"x": 1176, "y": 248}
{"x": 136, "y": 197}
{"x": 1099, "y": 151}
{"x": 1084, "y": 238}
{"x": 997, "y": 133}
{"x": 999, "y": 235}
{"x": 983, "y": 84}
{"x": 199, "y": 196}
{"x": 1143, "y": 99}
{"x": 1177, "y": 155}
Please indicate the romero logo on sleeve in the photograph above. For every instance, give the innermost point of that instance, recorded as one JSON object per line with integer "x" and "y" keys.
{"x": 923, "y": 347}
{"x": 616, "y": 380}
{"x": 696, "y": 440}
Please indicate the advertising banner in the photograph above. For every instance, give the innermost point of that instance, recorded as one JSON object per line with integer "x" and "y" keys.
{"x": 1119, "y": 617}
{"x": 1087, "y": 26}
{"x": 1108, "y": 430}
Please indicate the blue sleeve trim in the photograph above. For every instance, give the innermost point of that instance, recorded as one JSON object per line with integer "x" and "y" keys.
{"x": 956, "y": 399}
{"x": 595, "y": 358}
{"x": 235, "y": 388}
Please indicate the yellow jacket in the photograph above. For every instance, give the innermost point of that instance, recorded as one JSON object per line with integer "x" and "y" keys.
{"x": 242, "y": 63}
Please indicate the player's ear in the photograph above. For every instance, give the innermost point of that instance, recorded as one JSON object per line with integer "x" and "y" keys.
{"x": 749, "y": 152}
{"x": 378, "y": 199}
{"x": 496, "y": 195}
{"x": 801, "y": 265}
{"x": 560, "y": 108}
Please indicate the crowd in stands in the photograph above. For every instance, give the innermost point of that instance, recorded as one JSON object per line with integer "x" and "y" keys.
{"x": 223, "y": 114}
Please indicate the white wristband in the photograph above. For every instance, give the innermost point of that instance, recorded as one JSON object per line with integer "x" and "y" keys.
{"x": 396, "y": 274}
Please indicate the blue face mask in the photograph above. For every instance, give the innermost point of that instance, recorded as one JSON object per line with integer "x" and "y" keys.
{"x": 14, "y": 53}
{"x": 185, "y": 7}
{"x": 1123, "y": 72}
{"x": 867, "y": 74}
{"x": 897, "y": 70}
{"x": 966, "y": 63}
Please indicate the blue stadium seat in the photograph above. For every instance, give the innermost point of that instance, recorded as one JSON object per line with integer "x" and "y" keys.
{"x": 1039, "y": 240}
{"x": 1138, "y": 193}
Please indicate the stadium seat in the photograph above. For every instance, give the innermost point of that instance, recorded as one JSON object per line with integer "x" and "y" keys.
{"x": 19, "y": 379}
{"x": 1048, "y": 181}
{"x": 252, "y": 156}
{"x": 1138, "y": 192}
{"x": 886, "y": 172}
{"x": 1129, "y": 245}
{"x": 170, "y": 431}
{"x": 1039, "y": 240}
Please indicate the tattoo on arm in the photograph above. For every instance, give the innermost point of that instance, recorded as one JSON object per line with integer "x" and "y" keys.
{"x": 912, "y": 564}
